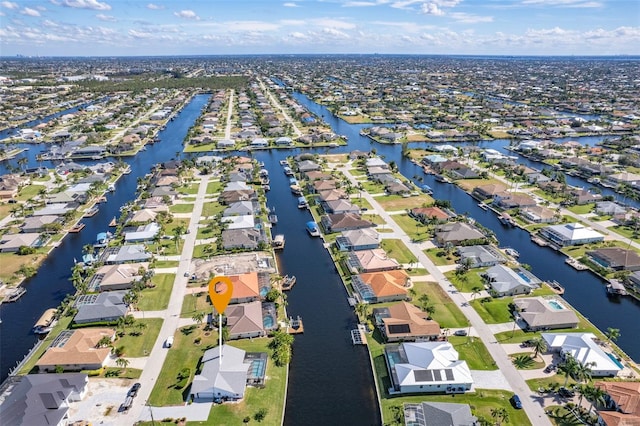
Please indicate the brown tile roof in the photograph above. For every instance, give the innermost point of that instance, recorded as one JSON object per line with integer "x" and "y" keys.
{"x": 245, "y": 318}
{"x": 79, "y": 349}
{"x": 430, "y": 212}
{"x": 245, "y": 285}
{"x": 418, "y": 322}
{"x": 627, "y": 397}
{"x": 387, "y": 283}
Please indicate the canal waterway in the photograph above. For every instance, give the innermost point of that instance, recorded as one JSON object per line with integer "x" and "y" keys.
{"x": 330, "y": 379}
{"x": 51, "y": 284}
{"x": 583, "y": 290}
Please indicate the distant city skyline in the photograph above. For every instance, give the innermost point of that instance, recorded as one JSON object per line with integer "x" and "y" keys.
{"x": 212, "y": 27}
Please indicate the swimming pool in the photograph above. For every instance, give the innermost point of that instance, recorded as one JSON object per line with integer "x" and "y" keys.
{"x": 256, "y": 370}
{"x": 268, "y": 321}
{"x": 615, "y": 360}
{"x": 263, "y": 291}
{"x": 524, "y": 276}
{"x": 555, "y": 305}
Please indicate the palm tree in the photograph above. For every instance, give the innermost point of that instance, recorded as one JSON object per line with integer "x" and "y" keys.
{"x": 500, "y": 414}
{"x": 568, "y": 367}
{"x": 362, "y": 309}
{"x": 475, "y": 291}
{"x": 612, "y": 334}
{"x": 597, "y": 397}
{"x": 178, "y": 231}
{"x": 122, "y": 362}
{"x": 104, "y": 342}
{"x": 538, "y": 345}
{"x": 583, "y": 372}
{"x": 198, "y": 316}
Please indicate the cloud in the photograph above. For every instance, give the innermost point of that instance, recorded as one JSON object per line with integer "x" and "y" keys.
{"x": 297, "y": 35}
{"x": 335, "y": 34}
{"x": 333, "y": 23}
{"x": 431, "y": 9}
{"x": 563, "y": 3}
{"x": 106, "y": 18}
{"x": 467, "y": 18}
{"x": 9, "y": 5}
{"x": 153, "y": 6}
{"x": 436, "y": 7}
{"x": 139, "y": 34}
{"x": 290, "y": 4}
{"x": 30, "y": 12}
{"x": 85, "y": 4}
{"x": 187, "y": 14}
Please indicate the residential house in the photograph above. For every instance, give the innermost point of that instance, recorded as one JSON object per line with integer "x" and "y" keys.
{"x": 36, "y": 224}
{"x": 319, "y": 186}
{"x": 76, "y": 350}
{"x": 244, "y": 320}
{"x": 246, "y": 287}
{"x": 125, "y": 254}
{"x": 426, "y": 367}
{"x": 117, "y": 277}
{"x": 58, "y": 209}
{"x": 463, "y": 173}
{"x": 230, "y": 197}
{"x": 241, "y": 208}
{"x": 107, "y": 307}
{"x": 155, "y": 204}
{"x": 380, "y": 287}
{"x": 480, "y": 256}
{"x": 226, "y": 381}
{"x": 11, "y": 243}
{"x": 340, "y": 206}
{"x": 375, "y": 260}
{"x": 539, "y": 214}
{"x": 42, "y": 399}
{"x": 584, "y": 349}
{"x": 609, "y": 208}
{"x": 622, "y": 403}
{"x": 238, "y": 222}
{"x": 615, "y": 258}
{"x": 332, "y": 195}
{"x": 485, "y": 192}
{"x": 305, "y": 166}
{"x": 405, "y": 322}
{"x": 10, "y": 186}
{"x": 358, "y": 239}
{"x": 512, "y": 200}
{"x": 584, "y": 196}
{"x": 315, "y": 175}
{"x": 457, "y": 233}
{"x": 142, "y": 216}
{"x": 570, "y": 234}
{"x": 429, "y": 214}
{"x": 505, "y": 281}
{"x": 344, "y": 222}
{"x": 396, "y": 187}
{"x": 141, "y": 233}
{"x": 541, "y": 313}
{"x": 429, "y": 413}
{"x": 248, "y": 238}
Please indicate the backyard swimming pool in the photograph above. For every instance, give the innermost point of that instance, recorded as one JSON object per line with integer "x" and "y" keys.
{"x": 555, "y": 304}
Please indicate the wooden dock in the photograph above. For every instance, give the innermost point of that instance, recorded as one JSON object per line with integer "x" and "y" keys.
{"x": 359, "y": 335}
{"x": 295, "y": 326}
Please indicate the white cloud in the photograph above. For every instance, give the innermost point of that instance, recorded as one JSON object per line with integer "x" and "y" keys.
{"x": 563, "y": 3}
{"x": 335, "y": 34}
{"x": 251, "y": 26}
{"x": 467, "y": 18}
{"x": 333, "y": 23}
{"x": 187, "y": 14}
{"x": 85, "y": 4}
{"x": 106, "y": 18}
{"x": 297, "y": 35}
{"x": 436, "y": 7}
{"x": 290, "y": 4}
{"x": 9, "y": 5}
{"x": 30, "y": 12}
{"x": 153, "y": 6}
{"x": 139, "y": 34}
{"x": 431, "y": 9}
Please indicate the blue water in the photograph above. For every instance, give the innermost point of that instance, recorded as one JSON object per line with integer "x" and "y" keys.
{"x": 615, "y": 360}
{"x": 523, "y": 276}
{"x": 555, "y": 305}
{"x": 268, "y": 321}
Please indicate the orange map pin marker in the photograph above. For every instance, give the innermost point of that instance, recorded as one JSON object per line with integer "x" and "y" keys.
{"x": 220, "y": 291}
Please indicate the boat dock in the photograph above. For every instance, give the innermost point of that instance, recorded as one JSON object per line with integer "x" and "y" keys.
{"x": 77, "y": 227}
{"x": 576, "y": 264}
{"x": 359, "y": 335}
{"x": 555, "y": 286}
{"x": 615, "y": 287}
{"x": 287, "y": 282}
{"x": 14, "y": 295}
{"x": 539, "y": 241}
{"x": 295, "y": 325}
{"x": 278, "y": 242}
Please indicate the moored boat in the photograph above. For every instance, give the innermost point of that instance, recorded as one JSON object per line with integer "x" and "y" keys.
{"x": 91, "y": 212}
{"x": 273, "y": 218}
{"x": 302, "y": 203}
{"x": 296, "y": 190}
{"x": 512, "y": 252}
{"x": 14, "y": 295}
{"x": 287, "y": 282}
{"x": 45, "y": 323}
{"x": 312, "y": 229}
{"x": 555, "y": 286}
{"x": 77, "y": 227}
{"x": 616, "y": 288}
{"x": 278, "y": 242}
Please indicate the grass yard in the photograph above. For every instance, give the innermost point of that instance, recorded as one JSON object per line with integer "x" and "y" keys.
{"x": 495, "y": 311}
{"x": 211, "y": 209}
{"x": 447, "y": 314}
{"x": 361, "y": 202}
{"x": 196, "y": 302}
{"x": 28, "y": 192}
{"x": 374, "y": 218}
{"x": 62, "y": 324}
{"x": 136, "y": 346}
{"x": 582, "y": 209}
{"x": 11, "y": 263}
{"x": 373, "y": 188}
{"x": 204, "y": 251}
{"x": 627, "y": 232}
{"x": 189, "y": 189}
{"x": 181, "y": 208}
{"x": 215, "y": 187}
{"x": 531, "y": 363}
{"x": 166, "y": 264}
{"x": 472, "y": 350}
{"x": 157, "y": 298}
{"x": 164, "y": 247}
{"x": 397, "y": 202}
{"x": 414, "y": 229}
{"x": 122, "y": 373}
{"x": 397, "y": 250}
{"x": 467, "y": 281}
{"x": 439, "y": 256}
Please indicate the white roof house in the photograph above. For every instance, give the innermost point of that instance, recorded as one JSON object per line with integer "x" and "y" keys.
{"x": 570, "y": 234}
{"x": 239, "y": 222}
{"x": 585, "y": 350}
{"x": 226, "y": 378}
{"x": 425, "y": 367}
{"x": 142, "y": 233}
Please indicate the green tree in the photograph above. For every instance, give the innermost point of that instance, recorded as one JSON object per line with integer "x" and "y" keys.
{"x": 122, "y": 362}
{"x": 198, "y": 316}
{"x": 538, "y": 345}
{"x": 104, "y": 342}
{"x": 612, "y": 334}
{"x": 362, "y": 309}
{"x": 260, "y": 415}
{"x": 500, "y": 414}
{"x": 568, "y": 368}
{"x": 596, "y": 397}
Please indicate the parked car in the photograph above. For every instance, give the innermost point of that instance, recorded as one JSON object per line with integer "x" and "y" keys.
{"x": 134, "y": 390}
{"x": 515, "y": 401}
{"x": 566, "y": 393}
{"x": 169, "y": 342}
{"x": 460, "y": 332}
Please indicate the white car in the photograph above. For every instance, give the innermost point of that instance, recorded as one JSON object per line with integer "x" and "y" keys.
{"x": 169, "y": 342}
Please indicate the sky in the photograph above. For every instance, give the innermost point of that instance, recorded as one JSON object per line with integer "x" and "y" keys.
{"x": 221, "y": 27}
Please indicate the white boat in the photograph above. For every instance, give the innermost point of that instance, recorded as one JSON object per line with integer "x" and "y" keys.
{"x": 512, "y": 252}
{"x": 278, "y": 242}
{"x": 302, "y": 203}
{"x": 483, "y": 206}
{"x": 312, "y": 229}
{"x": 45, "y": 323}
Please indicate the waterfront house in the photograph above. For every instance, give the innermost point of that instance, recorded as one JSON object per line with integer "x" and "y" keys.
{"x": 405, "y": 322}
{"x": 615, "y": 258}
{"x": 358, "y": 239}
{"x": 42, "y": 399}
{"x": 315, "y": 175}
{"x": 505, "y": 281}
{"x": 244, "y": 320}
{"x": 36, "y": 224}
{"x": 10, "y": 185}
{"x": 457, "y": 233}
{"x": 339, "y": 206}
{"x": 247, "y": 238}
{"x": 77, "y": 350}
{"x": 584, "y": 348}
{"x": 246, "y": 287}
{"x": 609, "y": 208}
{"x": 230, "y": 197}
{"x": 428, "y": 214}
{"x": 117, "y": 277}
{"x": 227, "y": 380}
{"x": 484, "y": 192}
{"x": 512, "y": 200}
{"x": 125, "y": 254}
{"x": 241, "y": 208}
{"x": 539, "y": 214}
{"x": 381, "y": 287}
{"x": 307, "y": 166}
{"x": 142, "y": 233}
{"x": 165, "y": 191}
{"x": 376, "y": 162}
{"x": 622, "y": 403}
{"x": 142, "y": 216}
{"x": 11, "y": 243}
{"x": 426, "y": 367}
{"x": 395, "y": 187}
{"x": 238, "y": 222}
{"x": 319, "y": 186}
{"x": 225, "y": 143}
{"x": 155, "y": 204}
{"x": 58, "y": 209}
{"x": 541, "y": 313}
{"x": 571, "y": 234}
{"x": 584, "y": 196}
{"x": 344, "y": 222}
{"x": 429, "y": 413}
{"x": 634, "y": 280}
{"x": 480, "y": 256}
{"x": 375, "y": 260}
{"x": 107, "y": 307}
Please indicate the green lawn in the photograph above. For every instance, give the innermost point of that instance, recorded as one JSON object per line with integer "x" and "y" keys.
{"x": 414, "y": 229}
{"x": 62, "y": 324}
{"x": 189, "y": 189}
{"x": 166, "y": 264}
{"x": 472, "y": 350}
{"x": 181, "y": 208}
{"x": 29, "y": 191}
{"x": 534, "y": 364}
{"x": 136, "y": 346}
{"x": 496, "y": 311}
{"x": 373, "y": 188}
{"x": 361, "y": 202}
{"x": 214, "y": 187}
{"x": 439, "y": 256}
{"x": 392, "y": 203}
{"x": 374, "y": 218}
{"x": 467, "y": 281}
{"x": 447, "y": 314}
{"x": 626, "y": 231}
{"x": 212, "y": 208}
{"x": 186, "y": 354}
{"x": 581, "y": 209}
{"x": 157, "y": 298}
{"x": 397, "y": 250}
{"x": 196, "y": 302}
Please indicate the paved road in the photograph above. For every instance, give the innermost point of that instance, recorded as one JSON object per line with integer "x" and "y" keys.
{"x": 171, "y": 316}
{"x": 532, "y": 406}
{"x": 227, "y": 131}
